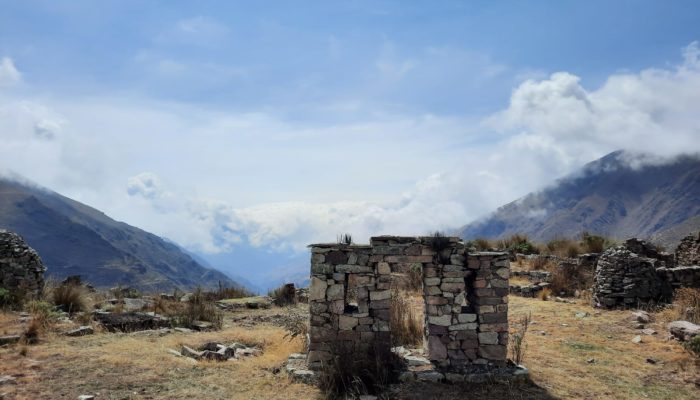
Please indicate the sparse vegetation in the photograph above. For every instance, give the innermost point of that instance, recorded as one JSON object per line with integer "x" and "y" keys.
{"x": 406, "y": 320}
{"x": 544, "y": 294}
{"x": 594, "y": 243}
{"x": 693, "y": 346}
{"x": 517, "y": 244}
{"x": 283, "y": 295}
{"x": 352, "y": 372}
{"x": 345, "y": 238}
{"x": 516, "y": 338}
{"x": 70, "y": 298}
{"x": 297, "y": 326}
{"x": 480, "y": 244}
{"x": 685, "y": 306}
{"x": 198, "y": 308}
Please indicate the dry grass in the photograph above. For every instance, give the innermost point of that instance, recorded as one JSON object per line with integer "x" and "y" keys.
{"x": 685, "y": 306}
{"x": 70, "y": 298}
{"x": 544, "y": 294}
{"x": 136, "y": 366}
{"x": 406, "y": 319}
{"x": 558, "y": 347}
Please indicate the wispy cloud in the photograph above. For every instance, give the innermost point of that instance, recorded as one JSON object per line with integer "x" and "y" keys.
{"x": 9, "y": 75}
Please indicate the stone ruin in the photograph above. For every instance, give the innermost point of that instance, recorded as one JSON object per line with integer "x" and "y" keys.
{"x": 21, "y": 269}
{"x": 637, "y": 273}
{"x": 465, "y": 294}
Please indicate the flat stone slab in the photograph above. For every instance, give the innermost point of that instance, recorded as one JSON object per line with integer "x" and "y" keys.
{"x": 9, "y": 339}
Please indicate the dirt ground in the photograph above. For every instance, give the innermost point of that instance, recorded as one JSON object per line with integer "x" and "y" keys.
{"x": 569, "y": 357}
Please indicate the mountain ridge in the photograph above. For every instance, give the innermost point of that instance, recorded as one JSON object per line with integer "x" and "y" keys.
{"x": 619, "y": 195}
{"x": 75, "y": 239}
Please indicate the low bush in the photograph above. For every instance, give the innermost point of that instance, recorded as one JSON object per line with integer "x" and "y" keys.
{"x": 518, "y": 244}
{"x": 198, "y": 308}
{"x": 594, "y": 243}
{"x": 70, "y": 298}
{"x": 283, "y": 295}
{"x": 406, "y": 321}
{"x": 693, "y": 346}
{"x": 235, "y": 292}
{"x": 43, "y": 316}
{"x": 562, "y": 248}
{"x": 567, "y": 279}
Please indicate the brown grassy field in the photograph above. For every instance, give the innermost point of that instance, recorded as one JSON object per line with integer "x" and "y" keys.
{"x": 568, "y": 357}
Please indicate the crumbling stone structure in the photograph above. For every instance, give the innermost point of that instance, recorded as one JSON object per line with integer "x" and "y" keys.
{"x": 466, "y": 299}
{"x": 636, "y": 272}
{"x": 21, "y": 269}
{"x": 688, "y": 251}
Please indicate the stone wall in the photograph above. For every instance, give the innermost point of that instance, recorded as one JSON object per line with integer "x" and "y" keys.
{"x": 688, "y": 251}
{"x": 465, "y": 299}
{"x": 632, "y": 274}
{"x": 21, "y": 268}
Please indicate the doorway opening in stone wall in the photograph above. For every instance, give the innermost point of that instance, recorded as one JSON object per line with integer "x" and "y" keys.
{"x": 407, "y": 306}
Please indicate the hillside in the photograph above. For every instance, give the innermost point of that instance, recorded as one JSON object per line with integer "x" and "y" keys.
{"x": 608, "y": 197}
{"x": 74, "y": 239}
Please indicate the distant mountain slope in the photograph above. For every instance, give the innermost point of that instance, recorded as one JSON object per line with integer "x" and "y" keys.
{"x": 608, "y": 197}
{"x": 74, "y": 239}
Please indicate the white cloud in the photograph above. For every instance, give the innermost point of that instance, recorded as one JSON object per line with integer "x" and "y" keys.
{"x": 199, "y": 31}
{"x": 9, "y": 75}
{"x": 219, "y": 178}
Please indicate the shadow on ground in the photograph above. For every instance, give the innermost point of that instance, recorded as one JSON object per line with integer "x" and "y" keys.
{"x": 491, "y": 391}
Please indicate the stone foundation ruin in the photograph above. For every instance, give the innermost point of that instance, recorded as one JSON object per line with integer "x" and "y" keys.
{"x": 637, "y": 273}
{"x": 466, "y": 299}
{"x": 21, "y": 269}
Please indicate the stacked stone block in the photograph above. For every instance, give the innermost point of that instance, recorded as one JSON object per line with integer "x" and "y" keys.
{"x": 21, "y": 269}
{"x": 466, "y": 303}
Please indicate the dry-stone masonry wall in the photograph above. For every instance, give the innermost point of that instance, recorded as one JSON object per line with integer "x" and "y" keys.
{"x": 633, "y": 273}
{"x": 688, "y": 251}
{"x": 21, "y": 268}
{"x": 466, "y": 299}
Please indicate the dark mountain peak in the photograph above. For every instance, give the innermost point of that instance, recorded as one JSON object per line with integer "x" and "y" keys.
{"x": 621, "y": 195}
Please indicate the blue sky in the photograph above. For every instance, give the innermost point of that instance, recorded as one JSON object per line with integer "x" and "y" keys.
{"x": 266, "y": 127}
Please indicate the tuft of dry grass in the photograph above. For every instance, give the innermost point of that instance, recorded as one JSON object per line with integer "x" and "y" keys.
{"x": 284, "y": 295}
{"x": 406, "y": 319}
{"x": 685, "y": 306}
{"x": 544, "y": 294}
{"x": 70, "y": 298}
{"x": 198, "y": 308}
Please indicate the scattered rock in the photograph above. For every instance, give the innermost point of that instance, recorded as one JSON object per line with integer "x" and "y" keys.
{"x": 581, "y": 314}
{"x": 591, "y": 360}
{"x": 416, "y": 361}
{"x": 683, "y": 330}
{"x": 429, "y": 376}
{"x": 190, "y": 352}
{"x": 130, "y": 322}
{"x": 641, "y": 316}
{"x": 7, "y": 380}
{"x": 649, "y": 331}
{"x": 81, "y": 331}
{"x": 651, "y": 360}
{"x": 86, "y": 397}
{"x": 637, "y": 339}
{"x": 202, "y": 326}
{"x": 9, "y": 339}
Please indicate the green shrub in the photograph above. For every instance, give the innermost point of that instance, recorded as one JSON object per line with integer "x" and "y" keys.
{"x": 518, "y": 244}
{"x": 5, "y": 297}
{"x": 693, "y": 345}
{"x": 594, "y": 243}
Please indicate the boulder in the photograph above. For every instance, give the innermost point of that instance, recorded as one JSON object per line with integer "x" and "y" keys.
{"x": 81, "y": 331}
{"x": 683, "y": 330}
